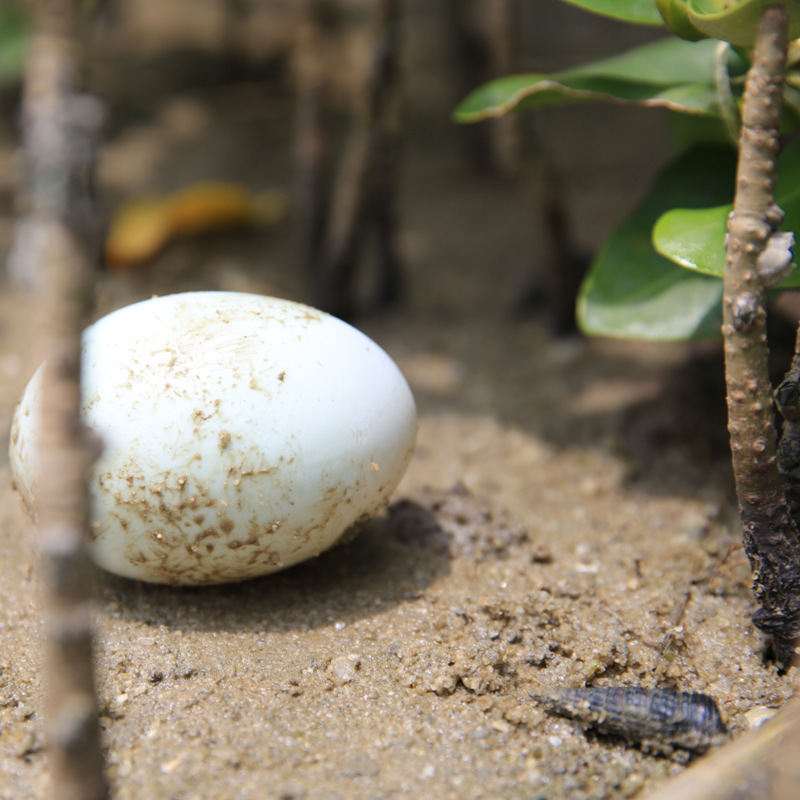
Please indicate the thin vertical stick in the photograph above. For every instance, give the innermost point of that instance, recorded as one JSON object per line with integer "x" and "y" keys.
{"x": 770, "y": 536}
{"x": 310, "y": 135}
{"x": 58, "y": 128}
{"x": 506, "y": 135}
{"x": 384, "y": 171}
{"x": 365, "y": 186}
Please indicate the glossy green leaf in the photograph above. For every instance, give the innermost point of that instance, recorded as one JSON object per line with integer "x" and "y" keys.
{"x": 670, "y": 73}
{"x": 642, "y": 12}
{"x": 633, "y": 292}
{"x": 737, "y": 21}
{"x": 695, "y": 238}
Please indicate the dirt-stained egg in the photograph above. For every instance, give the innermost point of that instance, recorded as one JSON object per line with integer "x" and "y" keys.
{"x": 241, "y": 435}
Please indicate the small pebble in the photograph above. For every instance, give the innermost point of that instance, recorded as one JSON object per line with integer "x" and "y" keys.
{"x": 343, "y": 668}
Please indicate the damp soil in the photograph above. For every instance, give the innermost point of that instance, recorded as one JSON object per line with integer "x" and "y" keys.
{"x": 568, "y": 519}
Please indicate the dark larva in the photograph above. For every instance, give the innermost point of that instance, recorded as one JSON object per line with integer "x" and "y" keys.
{"x": 656, "y": 719}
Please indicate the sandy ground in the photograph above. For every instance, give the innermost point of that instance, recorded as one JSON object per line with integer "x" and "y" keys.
{"x": 567, "y": 520}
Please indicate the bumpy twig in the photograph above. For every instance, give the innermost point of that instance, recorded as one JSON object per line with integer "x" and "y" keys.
{"x": 770, "y": 535}
{"x": 58, "y": 132}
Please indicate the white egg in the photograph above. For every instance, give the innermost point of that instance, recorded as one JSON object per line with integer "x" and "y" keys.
{"x": 241, "y": 434}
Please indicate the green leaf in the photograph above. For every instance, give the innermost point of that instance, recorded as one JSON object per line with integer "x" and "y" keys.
{"x": 736, "y": 22}
{"x": 676, "y": 16}
{"x": 695, "y": 238}
{"x": 14, "y": 36}
{"x": 670, "y": 73}
{"x": 633, "y": 292}
{"x": 641, "y": 12}
{"x": 688, "y": 132}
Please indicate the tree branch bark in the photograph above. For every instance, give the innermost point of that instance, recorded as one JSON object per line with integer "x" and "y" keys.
{"x": 771, "y": 538}
{"x": 59, "y": 132}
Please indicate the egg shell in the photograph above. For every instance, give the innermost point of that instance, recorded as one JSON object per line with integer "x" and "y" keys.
{"x": 241, "y": 435}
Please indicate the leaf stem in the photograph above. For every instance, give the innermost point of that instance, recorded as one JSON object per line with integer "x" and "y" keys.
{"x": 722, "y": 84}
